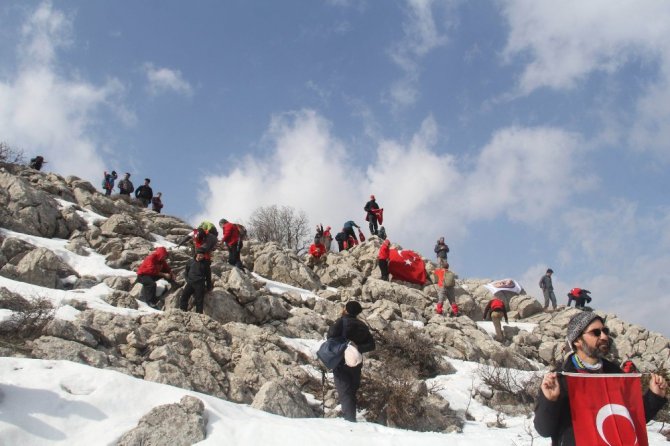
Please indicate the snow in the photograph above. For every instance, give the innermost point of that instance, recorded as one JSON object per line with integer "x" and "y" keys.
{"x": 487, "y": 326}
{"x": 46, "y": 402}
{"x": 281, "y": 288}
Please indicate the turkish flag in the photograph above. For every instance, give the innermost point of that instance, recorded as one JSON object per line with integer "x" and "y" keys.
{"x": 380, "y": 215}
{"x": 607, "y": 410}
{"x": 407, "y": 265}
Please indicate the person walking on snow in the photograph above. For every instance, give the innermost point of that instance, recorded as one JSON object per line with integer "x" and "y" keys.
{"x": 383, "y": 259}
{"x": 441, "y": 249}
{"x": 153, "y": 268}
{"x": 370, "y": 207}
{"x": 126, "y": 186}
{"x": 496, "y": 310}
{"x": 348, "y": 379}
{"x": 588, "y": 337}
{"x": 144, "y": 193}
{"x": 198, "y": 281}
{"x": 548, "y": 290}
{"x": 446, "y": 281}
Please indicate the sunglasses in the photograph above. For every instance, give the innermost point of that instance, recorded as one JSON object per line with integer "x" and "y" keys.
{"x": 598, "y": 331}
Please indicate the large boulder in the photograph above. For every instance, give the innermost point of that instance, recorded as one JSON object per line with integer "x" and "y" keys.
{"x": 286, "y": 267}
{"x": 40, "y": 267}
{"x": 181, "y": 424}
{"x": 282, "y": 397}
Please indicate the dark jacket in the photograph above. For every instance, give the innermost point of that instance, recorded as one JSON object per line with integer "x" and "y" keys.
{"x": 441, "y": 249}
{"x": 126, "y": 187}
{"x": 546, "y": 284}
{"x": 145, "y": 192}
{"x": 350, "y": 224}
{"x": 355, "y": 330}
{"x": 553, "y": 418}
{"x": 370, "y": 205}
{"x": 196, "y": 272}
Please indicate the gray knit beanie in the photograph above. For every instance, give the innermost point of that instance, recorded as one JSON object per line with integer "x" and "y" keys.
{"x": 578, "y": 324}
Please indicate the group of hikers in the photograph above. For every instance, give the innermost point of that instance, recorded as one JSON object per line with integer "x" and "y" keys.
{"x": 143, "y": 193}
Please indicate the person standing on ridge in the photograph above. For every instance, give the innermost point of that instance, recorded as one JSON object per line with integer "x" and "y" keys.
{"x": 370, "y": 207}
{"x": 231, "y": 238}
{"x": 446, "y": 281}
{"x": 348, "y": 379}
{"x": 157, "y": 203}
{"x": 126, "y": 186}
{"x": 144, "y": 193}
{"x": 108, "y": 182}
{"x": 383, "y": 259}
{"x": 441, "y": 249}
{"x": 153, "y": 268}
{"x": 548, "y": 289}
{"x": 327, "y": 238}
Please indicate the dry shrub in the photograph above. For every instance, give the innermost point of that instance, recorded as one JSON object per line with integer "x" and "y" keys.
{"x": 10, "y": 154}
{"x": 514, "y": 385}
{"x": 28, "y": 320}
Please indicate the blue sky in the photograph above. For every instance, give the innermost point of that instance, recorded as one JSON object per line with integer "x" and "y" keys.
{"x": 529, "y": 136}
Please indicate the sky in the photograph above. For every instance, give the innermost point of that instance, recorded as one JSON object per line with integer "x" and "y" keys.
{"x": 49, "y": 402}
{"x": 529, "y": 136}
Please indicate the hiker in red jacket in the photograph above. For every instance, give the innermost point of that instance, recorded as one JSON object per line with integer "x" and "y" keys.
{"x": 383, "y": 259}
{"x": 153, "y": 268}
{"x": 496, "y": 309}
{"x": 317, "y": 253}
{"x": 231, "y": 238}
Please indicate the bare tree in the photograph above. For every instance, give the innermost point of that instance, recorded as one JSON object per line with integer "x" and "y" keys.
{"x": 11, "y": 155}
{"x": 284, "y": 225}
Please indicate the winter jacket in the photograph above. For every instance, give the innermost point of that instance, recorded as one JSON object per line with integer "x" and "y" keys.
{"x": 208, "y": 242}
{"x": 196, "y": 272}
{"x": 231, "y": 234}
{"x": 355, "y": 330}
{"x": 144, "y": 192}
{"x": 369, "y": 207}
{"x": 126, "y": 187}
{"x": 495, "y": 304}
{"x": 553, "y": 418}
{"x": 155, "y": 263}
{"x": 545, "y": 283}
{"x": 384, "y": 252}
{"x": 109, "y": 181}
{"x": 441, "y": 249}
{"x": 316, "y": 250}
{"x": 350, "y": 224}
{"x": 156, "y": 204}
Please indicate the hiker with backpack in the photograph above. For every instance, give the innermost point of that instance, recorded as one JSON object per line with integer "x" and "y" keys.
{"x": 441, "y": 249}
{"x": 205, "y": 237}
{"x": 108, "y": 182}
{"x": 496, "y": 310}
{"x": 446, "y": 281}
{"x": 198, "y": 280}
{"x": 157, "y": 203}
{"x": 232, "y": 239}
{"x": 125, "y": 185}
{"x": 144, "y": 193}
{"x": 153, "y": 268}
{"x": 548, "y": 290}
{"x": 37, "y": 162}
{"x": 348, "y": 229}
{"x": 372, "y": 217}
{"x": 348, "y": 377}
{"x": 580, "y": 296}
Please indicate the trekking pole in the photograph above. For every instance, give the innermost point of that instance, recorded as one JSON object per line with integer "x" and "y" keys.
{"x": 323, "y": 392}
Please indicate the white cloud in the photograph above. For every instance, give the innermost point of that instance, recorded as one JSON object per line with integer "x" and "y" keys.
{"x": 568, "y": 42}
{"x": 42, "y": 110}
{"x": 166, "y": 80}
{"x": 520, "y": 171}
{"x": 421, "y": 35}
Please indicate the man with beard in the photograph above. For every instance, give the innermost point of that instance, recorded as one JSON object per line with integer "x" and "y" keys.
{"x": 588, "y": 337}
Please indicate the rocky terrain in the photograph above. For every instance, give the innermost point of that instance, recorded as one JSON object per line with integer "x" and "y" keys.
{"x": 246, "y": 347}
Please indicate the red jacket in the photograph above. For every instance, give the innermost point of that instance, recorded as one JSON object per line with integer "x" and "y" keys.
{"x": 155, "y": 263}
{"x": 316, "y": 250}
{"x": 384, "y": 252}
{"x": 231, "y": 234}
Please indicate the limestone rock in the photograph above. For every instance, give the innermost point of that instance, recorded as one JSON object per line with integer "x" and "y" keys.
{"x": 282, "y": 397}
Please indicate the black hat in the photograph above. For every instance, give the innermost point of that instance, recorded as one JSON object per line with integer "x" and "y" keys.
{"x": 353, "y": 308}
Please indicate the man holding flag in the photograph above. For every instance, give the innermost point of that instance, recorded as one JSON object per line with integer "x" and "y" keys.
{"x": 584, "y": 405}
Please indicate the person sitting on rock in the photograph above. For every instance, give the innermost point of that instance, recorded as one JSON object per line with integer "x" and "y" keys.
{"x": 153, "y": 268}
{"x": 198, "y": 281}
{"x": 317, "y": 254}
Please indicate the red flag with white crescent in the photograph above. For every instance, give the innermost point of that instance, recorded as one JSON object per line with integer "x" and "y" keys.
{"x": 607, "y": 410}
{"x": 407, "y": 265}
{"x": 380, "y": 215}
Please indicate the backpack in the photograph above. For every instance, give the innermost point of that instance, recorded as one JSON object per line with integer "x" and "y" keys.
{"x": 331, "y": 352}
{"x": 242, "y": 230}
{"x": 341, "y": 237}
{"x": 207, "y": 226}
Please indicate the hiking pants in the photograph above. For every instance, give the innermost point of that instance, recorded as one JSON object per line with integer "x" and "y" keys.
{"x": 347, "y": 382}
{"x": 549, "y": 296}
{"x": 372, "y": 219}
{"x": 350, "y": 231}
{"x": 234, "y": 255}
{"x": 448, "y": 292}
{"x": 496, "y": 318}
{"x": 148, "y": 288}
{"x": 384, "y": 268}
{"x": 197, "y": 290}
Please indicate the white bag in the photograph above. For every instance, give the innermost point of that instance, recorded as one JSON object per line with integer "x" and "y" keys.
{"x": 352, "y": 357}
